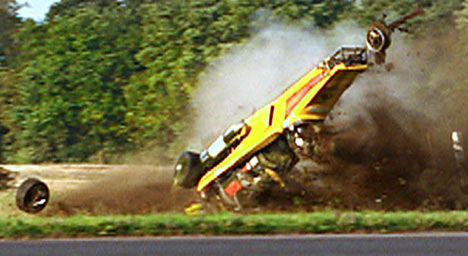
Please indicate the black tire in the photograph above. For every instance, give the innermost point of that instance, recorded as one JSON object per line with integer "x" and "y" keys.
{"x": 188, "y": 170}
{"x": 32, "y": 196}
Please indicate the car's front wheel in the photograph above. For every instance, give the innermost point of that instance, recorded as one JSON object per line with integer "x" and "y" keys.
{"x": 188, "y": 170}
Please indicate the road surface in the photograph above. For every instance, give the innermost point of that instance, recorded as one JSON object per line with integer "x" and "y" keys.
{"x": 439, "y": 244}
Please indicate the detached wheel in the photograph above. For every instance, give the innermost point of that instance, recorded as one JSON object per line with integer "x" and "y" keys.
{"x": 32, "y": 196}
{"x": 188, "y": 170}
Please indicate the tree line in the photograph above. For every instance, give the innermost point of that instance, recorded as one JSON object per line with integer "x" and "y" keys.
{"x": 108, "y": 77}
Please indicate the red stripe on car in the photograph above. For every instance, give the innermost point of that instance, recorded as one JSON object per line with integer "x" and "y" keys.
{"x": 297, "y": 96}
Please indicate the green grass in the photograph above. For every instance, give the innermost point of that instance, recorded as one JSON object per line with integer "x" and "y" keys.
{"x": 16, "y": 224}
{"x": 229, "y": 223}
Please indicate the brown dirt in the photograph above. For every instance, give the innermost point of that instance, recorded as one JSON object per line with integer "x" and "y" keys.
{"x": 125, "y": 190}
{"x": 105, "y": 189}
{"x": 389, "y": 159}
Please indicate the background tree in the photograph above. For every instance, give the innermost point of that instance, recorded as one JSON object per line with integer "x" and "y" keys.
{"x": 180, "y": 38}
{"x": 438, "y": 14}
{"x": 71, "y": 85}
{"x": 462, "y": 26}
{"x": 67, "y": 7}
{"x": 10, "y": 22}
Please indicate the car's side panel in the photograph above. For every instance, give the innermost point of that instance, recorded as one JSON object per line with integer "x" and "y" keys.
{"x": 317, "y": 104}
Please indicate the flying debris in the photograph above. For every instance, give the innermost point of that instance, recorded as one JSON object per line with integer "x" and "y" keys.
{"x": 32, "y": 195}
{"x": 258, "y": 152}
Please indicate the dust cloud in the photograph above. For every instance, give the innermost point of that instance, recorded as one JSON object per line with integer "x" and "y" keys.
{"x": 386, "y": 144}
{"x": 255, "y": 72}
{"x": 396, "y": 127}
{"x": 126, "y": 189}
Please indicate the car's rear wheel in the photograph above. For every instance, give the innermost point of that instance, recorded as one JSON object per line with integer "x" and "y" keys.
{"x": 32, "y": 196}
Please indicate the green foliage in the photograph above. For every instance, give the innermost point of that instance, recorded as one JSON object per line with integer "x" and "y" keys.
{"x": 462, "y": 24}
{"x": 109, "y": 76}
{"x": 437, "y": 13}
{"x": 322, "y": 13}
{"x": 8, "y": 25}
{"x": 71, "y": 84}
{"x": 180, "y": 39}
{"x": 7, "y": 100}
{"x": 66, "y": 7}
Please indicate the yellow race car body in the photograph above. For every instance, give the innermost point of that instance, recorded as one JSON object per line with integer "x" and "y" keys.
{"x": 311, "y": 98}
{"x": 254, "y": 154}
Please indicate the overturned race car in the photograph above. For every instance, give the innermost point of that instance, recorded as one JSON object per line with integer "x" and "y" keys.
{"x": 252, "y": 156}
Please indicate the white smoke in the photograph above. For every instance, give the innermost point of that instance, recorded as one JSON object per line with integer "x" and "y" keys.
{"x": 255, "y": 72}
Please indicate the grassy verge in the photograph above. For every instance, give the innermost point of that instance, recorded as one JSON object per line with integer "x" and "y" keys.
{"x": 228, "y": 223}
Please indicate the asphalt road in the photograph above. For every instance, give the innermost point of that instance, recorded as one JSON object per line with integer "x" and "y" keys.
{"x": 439, "y": 244}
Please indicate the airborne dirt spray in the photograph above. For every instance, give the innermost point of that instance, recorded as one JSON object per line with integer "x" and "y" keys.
{"x": 122, "y": 189}
{"x": 388, "y": 139}
{"x": 397, "y": 152}
{"x": 387, "y": 142}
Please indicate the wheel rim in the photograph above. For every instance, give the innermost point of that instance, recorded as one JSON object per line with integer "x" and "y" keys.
{"x": 36, "y": 198}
